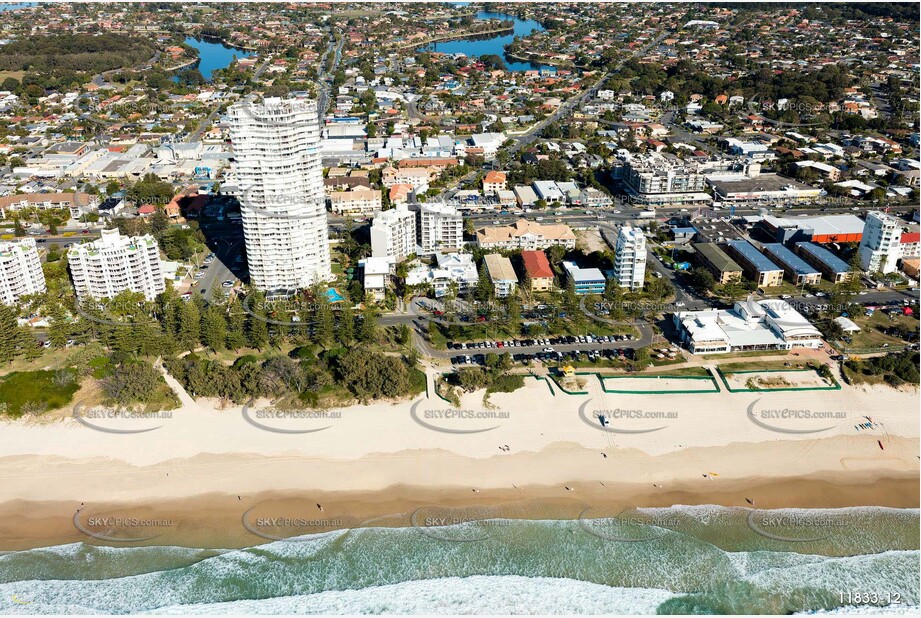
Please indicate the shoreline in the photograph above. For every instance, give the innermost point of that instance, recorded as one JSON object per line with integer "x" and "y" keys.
{"x": 536, "y": 453}
{"x": 222, "y": 521}
{"x": 455, "y": 37}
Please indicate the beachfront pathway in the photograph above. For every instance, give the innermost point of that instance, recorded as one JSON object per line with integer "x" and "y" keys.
{"x": 185, "y": 399}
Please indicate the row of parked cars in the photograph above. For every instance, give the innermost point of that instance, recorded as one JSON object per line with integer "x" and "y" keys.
{"x": 548, "y": 341}
{"x": 551, "y": 356}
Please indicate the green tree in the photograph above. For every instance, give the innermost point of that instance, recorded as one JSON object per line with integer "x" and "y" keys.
{"x": 11, "y": 335}
{"x": 484, "y": 288}
{"x": 131, "y": 382}
{"x": 236, "y": 323}
{"x": 367, "y": 331}
{"x": 189, "y": 326}
{"x": 214, "y": 328}
{"x": 345, "y": 326}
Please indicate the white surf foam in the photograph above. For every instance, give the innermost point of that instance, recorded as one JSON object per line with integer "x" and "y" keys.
{"x": 453, "y": 595}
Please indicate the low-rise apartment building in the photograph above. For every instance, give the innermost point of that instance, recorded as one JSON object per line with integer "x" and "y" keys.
{"x": 721, "y": 266}
{"x": 538, "y": 272}
{"x": 585, "y": 280}
{"x": 831, "y": 266}
{"x": 526, "y": 235}
{"x": 360, "y": 202}
{"x": 452, "y": 268}
{"x": 501, "y": 274}
{"x": 796, "y": 268}
{"x": 755, "y": 265}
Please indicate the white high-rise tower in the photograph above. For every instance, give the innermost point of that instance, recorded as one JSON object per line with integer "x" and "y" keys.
{"x": 279, "y": 175}
{"x": 630, "y": 258}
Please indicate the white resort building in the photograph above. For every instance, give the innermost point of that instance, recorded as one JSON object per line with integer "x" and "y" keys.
{"x": 115, "y": 263}
{"x": 749, "y": 325}
{"x": 20, "y": 270}
{"x": 279, "y": 176}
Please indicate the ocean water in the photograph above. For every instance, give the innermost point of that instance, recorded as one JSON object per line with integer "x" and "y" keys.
{"x": 676, "y": 560}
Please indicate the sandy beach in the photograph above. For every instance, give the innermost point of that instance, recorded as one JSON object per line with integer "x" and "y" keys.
{"x": 533, "y": 453}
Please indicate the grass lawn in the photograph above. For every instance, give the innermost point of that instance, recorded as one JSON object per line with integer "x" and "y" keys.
{"x": 697, "y": 372}
{"x": 870, "y": 337}
{"x": 753, "y": 353}
{"x": 36, "y": 390}
{"x": 763, "y": 366}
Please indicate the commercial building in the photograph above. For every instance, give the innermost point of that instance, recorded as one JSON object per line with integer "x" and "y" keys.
{"x": 501, "y": 274}
{"x": 714, "y": 259}
{"x": 393, "y": 233}
{"x": 537, "y": 270}
{"x": 20, "y": 270}
{"x": 749, "y": 325}
{"x": 548, "y": 191}
{"x": 452, "y": 268}
{"x": 660, "y": 179}
{"x": 821, "y": 230}
{"x": 797, "y": 269}
{"x": 279, "y": 173}
{"x": 755, "y": 265}
{"x": 763, "y": 188}
{"x": 360, "y": 202}
{"x": 879, "y": 249}
{"x": 585, "y": 280}
{"x": 832, "y": 267}
{"x": 113, "y": 264}
{"x": 630, "y": 258}
{"x": 526, "y": 235}
{"x": 439, "y": 228}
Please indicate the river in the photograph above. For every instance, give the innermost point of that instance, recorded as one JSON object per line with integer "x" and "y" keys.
{"x": 214, "y": 55}
{"x": 494, "y": 45}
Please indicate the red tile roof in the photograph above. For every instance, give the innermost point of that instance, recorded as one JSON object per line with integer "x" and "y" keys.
{"x": 536, "y": 264}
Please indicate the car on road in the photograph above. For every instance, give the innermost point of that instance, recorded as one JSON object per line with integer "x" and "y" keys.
{"x": 227, "y": 284}
{"x": 549, "y": 350}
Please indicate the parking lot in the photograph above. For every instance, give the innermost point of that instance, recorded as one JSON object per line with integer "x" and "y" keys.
{"x": 547, "y": 349}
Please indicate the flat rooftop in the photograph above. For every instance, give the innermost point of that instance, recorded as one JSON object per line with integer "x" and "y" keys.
{"x": 761, "y": 182}
{"x": 499, "y": 267}
{"x": 717, "y": 257}
{"x": 825, "y": 256}
{"x": 827, "y": 225}
{"x": 755, "y": 257}
{"x": 789, "y": 259}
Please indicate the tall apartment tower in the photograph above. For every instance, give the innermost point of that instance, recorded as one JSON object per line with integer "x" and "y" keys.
{"x": 393, "y": 233}
{"x": 879, "y": 247}
{"x": 115, "y": 263}
{"x": 440, "y": 228}
{"x": 279, "y": 175}
{"x": 630, "y": 258}
{"x": 20, "y": 270}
